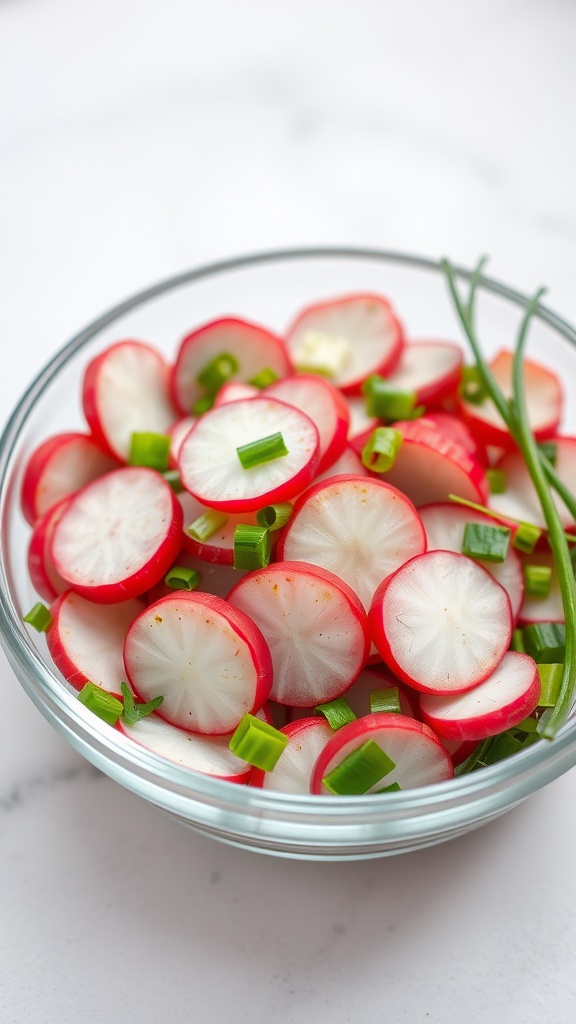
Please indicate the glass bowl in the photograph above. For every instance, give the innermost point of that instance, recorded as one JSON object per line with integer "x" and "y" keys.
{"x": 268, "y": 288}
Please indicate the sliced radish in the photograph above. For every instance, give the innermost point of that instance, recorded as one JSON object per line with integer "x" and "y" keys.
{"x": 177, "y": 433}
{"x": 210, "y": 467}
{"x": 206, "y": 754}
{"x": 432, "y": 369}
{"x": 293, "y": 772}
{"x": 430, "y": 466}
{"x": 542, "y": 609}
{"x": 219, "y": 547}
{"x": 356, "y": 527}
{"x": 519, "y": 499}
{"x": 119, "y": 535}
{"x": 45, "y": 579}
{"x": 349, "y": 464}
{"x": 458, "y": 430}
{"x": 459, "y": 750}
{"x": 61, "y": 466}
{"x": 214, "y": 578}
{"x": 125, "y": 391}
{"x": 507, "y": 696}
{"x": 253, "y": 347}
{"x": 314, "y": 625}
{"x": 419, "y": 757}
{"x": 326, "y": 407}
{"x": 361, "y": 424}
{"x": 209, "y": 661}
{"x": 86, "y": 640}
{"x": 351, "y": 337}
{"x": 234, "y": 391}
{"x": 441, "y": 622}
{"x": 543, "y": 398}
{"x": 445, "y": 524}
{"x": 358, "y": 695}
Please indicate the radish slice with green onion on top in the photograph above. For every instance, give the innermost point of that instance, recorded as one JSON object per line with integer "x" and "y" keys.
{"x": 409, "y": 755}
{"x": 118, "y": 536}
{"x": 347, "y": 339}
{"x": 357, "y": 527}
{"x": 445, "y": 525}
{"x": 208, "y": 659}
{"x": 314, "y": 625}
{"x": 251, "y": 347}
{"x": 209, "y": 755}
{"x": 501, "y": 701}
{"x": 293, "y": 772}
{"x": 125, "y": 391}
{"x": 326, "y": 407}
{"x": 86, "y": 640}
{"x": 60, "y": 466}
{"x": 210, "y": 463}
{"x": 430, "y": 369}
{"x": 441, "y": 622}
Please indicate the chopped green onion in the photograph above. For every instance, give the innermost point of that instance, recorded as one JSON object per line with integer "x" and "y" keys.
{"x": 39, "y": 617}
{"x": 172, "y": 477}
{"x": 549, "y": 449}
{"x": 518, "y": 642}
{"x": 497, "y": 515}
{"x": 203, "y": 404}
{"x": 385, "y": 401}
{"x": 490, "y": 543}
{"x": 472, "y": 388}
{"x": 148, "y": 449}
{"x": 394, "y": 787}
{"x": 550, "y": 683}
{"x": 379, "y": 454}
{"x": 207, "y": 524}
{"x": 133, "y": 710}
{"x": 274, "y": 516}
{"x": 217, "y": 372}
{"x": 537, "y": 579}
{"x": 258, "y": 743}
{"x": 526, "y": 537}
{"x": 385, "y": 700}
{"x": 337, "y": 712}
{"x": 545, "y": 642}
{"x": 252, "y": 547}
{"x": 496, "y": 480}
{"x": 255, "y": 453}
{"x": 265, "y": 377}
{"x": 527, "y": 725}
{"x": 359, "y": 771}
{"x": 181, "y": 577}
{"x": 102, "y": 703}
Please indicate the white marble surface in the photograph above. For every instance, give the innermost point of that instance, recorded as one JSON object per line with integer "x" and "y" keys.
{"x": 139, "y": 139}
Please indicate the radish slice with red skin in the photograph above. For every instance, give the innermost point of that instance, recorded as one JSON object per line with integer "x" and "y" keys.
{"x": 293, "y": 772}
{"x": 500, "y": 702}
{"x": 206, "y": 754}
{"x": 418, "y": 754}
{"x": 208, "y": 659}
{"x": 542, "y": 609}
{"x": 119, "y": 535}
{"x": 60, "y": 466}
{"x": 361, "y": 424}
{"x": 253, "y": 347}
{"x": 45, "y": 579}
{"x": 520, "y": 501}
{"x": 358, "y": 695}
{"x": 364, "y": 327}
{"x": 349, "y": 464}
{"x": 431, "y": 369}
{"x": 455, "y": 428}
{"x": 86, "y": 640}
{"x": 430, "y": 466}
{"x": 441, "y": 622}
{"x": 214, "y": 578}
{"x": 177, "y": 433}
{"x": 544, "y": 401}
{"x": 234, "y": 391}
{"x": 219, "y": 548}
{"x": 326, "y": 407}
{"x": 125, "y": 391}
{"x": 445, "y": 525}
{"x": 211, "y": 470}
{"x": 314, "y": 625}
{"x": 459, "y": 750}
{"x": 357, "y": 527}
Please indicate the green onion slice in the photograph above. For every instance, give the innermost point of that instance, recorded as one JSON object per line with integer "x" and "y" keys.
{"x": 102, "y": 703}
{"x": 472, "y": 388}
{"x": 394, "y": 787}
{"x": 526, "y": 537}
{"x": 181, "y": 577}
{"x": 550, "y": 682}
{"x": 537, "y": 580}
{"x": 379, "y": 454}
{"x": 148, "y": 449}
{"x": 265, "y": 377}
{"x": 217, "y": 372}
{"x": 549, "y": 449}
{"x": 386, "y": 700}
{"x": 337, "y": 713}
{"x": 207, "y": 524}
{"x": 202, "y": 405}
{"x": 258, "y": 743}
{"x": 274, "y": 516}
{"x": 359, "y": 771}
{"x": 545, "y": 642}
{"x": 496, "y": 481}
{"x": 385, "y": 401}
{"x": 172, "y": 477}
{"x": 39, "y": 617}
{"x": 133, "y": 710}
{"x": 517, "y": 643}
{"x": 255, "y": 453}
{"x": 252, "y": 547}
{"x": 490, "y": 543}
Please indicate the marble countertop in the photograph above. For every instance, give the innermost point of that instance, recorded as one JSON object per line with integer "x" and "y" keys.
{"x": 138, "y": 139}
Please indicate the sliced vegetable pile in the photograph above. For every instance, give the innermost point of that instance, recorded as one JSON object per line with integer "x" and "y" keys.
{"x": 336, "y": 562}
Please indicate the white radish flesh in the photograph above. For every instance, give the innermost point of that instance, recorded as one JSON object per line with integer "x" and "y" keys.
{"x": 219, "y": 546}
{"x": 209, "y": 661}
{"x": 326, "y": 407}
{"x": 431, "y": 369}
{"x": 43, "y": 574}
{"x": 59, "y": 467}
{"x": 349, "y": 464}
{"x": 519, "y": 500}
{"x": 206, "y": 754}
{"x": 293, "y": 772}
{"x": 441, "y": 622}
{"x": 215, "y": 578}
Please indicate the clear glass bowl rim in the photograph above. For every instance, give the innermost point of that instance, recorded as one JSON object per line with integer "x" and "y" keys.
{"x": 166, "y": 783}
